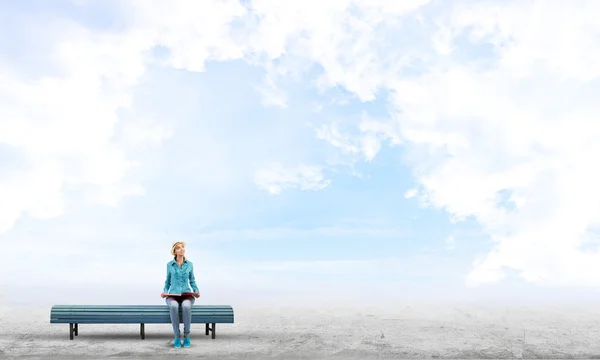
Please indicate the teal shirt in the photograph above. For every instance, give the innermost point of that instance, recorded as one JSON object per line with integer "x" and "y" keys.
{"x": 178, "y": 278}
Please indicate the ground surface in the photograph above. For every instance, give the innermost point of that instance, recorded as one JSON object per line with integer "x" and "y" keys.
{"x": 293, "y": 333}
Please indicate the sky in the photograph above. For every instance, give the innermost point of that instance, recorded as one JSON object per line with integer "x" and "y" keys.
{"x": 308, "y": 152}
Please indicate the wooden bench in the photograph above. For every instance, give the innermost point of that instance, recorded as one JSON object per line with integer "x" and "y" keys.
{"x": 136, "y": 314}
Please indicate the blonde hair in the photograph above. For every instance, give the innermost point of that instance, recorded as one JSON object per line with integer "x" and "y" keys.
{"x": 174, "y": 245}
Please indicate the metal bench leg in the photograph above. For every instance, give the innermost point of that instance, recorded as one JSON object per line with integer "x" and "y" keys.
{"x": 213, "y": 330}
{"x": 76, "y": 329}
{"x": 71, "y": 331}
{"x": 206, "y": 328}
{"x": 142, "y": 331}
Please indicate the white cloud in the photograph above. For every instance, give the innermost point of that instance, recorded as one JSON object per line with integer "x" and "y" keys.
{"x": 332, "y": 134}
{"x": 193, "y": 31}
{"x": 276, "y": 178}
{"x": 517, "y": 116}
{"x": 518, "y": 119}
{"x": 411, "y": 193}
{"x": 370, "y": 146}
{"x": 524, "y": 125}
{"x": 63, "y": 125}
{"x": 366, "y": 143}
{"x": 285, "y": 38}
{"x": 500, "y": 98}
{"x": 374, "y": 132}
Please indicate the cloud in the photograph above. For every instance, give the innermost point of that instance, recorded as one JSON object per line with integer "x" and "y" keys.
{"x": 193, "y": 31}
{"x": 494, "y": 104}
{"x": 276, "y": 178}
{"x": 331, "y": 133}
{"x": 62, "y": 126}
{"x": 360, "y": 141}
{"x": 502, "y": 103}
{"x": 374, "y": 133}
{"x": 523, "y": 126}
{"x": 410, "y": 193}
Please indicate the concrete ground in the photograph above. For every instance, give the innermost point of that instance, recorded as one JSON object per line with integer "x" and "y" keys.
{"x": 393, "y": 332}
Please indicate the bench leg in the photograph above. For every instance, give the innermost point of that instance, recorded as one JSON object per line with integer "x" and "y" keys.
{"x": 142, "y": 331}
{"x": 211, "y": 329}
{"x": 76, "y": 329}
{"x": 71, "y": 331}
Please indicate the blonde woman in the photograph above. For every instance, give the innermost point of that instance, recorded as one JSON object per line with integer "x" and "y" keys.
{"x": 180, "y": 271}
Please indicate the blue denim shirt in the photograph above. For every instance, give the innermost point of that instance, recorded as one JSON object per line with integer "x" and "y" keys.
{"x": 178, "y": 277}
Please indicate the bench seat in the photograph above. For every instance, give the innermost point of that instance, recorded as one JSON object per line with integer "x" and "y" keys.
{"x": 136, "y": 314}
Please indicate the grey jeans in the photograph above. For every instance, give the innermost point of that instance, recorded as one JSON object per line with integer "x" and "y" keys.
{"x": 186, "y": 312}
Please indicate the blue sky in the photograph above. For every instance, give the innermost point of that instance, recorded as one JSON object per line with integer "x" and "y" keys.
{"x": 349, "y": 151}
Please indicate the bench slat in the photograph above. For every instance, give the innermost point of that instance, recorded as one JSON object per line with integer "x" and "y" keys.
{"x": 133, "y": 306}
{"x": 163, "y": 311}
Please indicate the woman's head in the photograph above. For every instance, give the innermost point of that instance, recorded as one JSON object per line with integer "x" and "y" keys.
{"x": 178, "y": 248}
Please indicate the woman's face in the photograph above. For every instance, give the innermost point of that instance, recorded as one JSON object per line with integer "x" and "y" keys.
{"x": 180, "y": 250}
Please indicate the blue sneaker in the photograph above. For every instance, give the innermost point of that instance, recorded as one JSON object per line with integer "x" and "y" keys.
{"x": 177, "y": 342}
{"x": 186, "y": 342}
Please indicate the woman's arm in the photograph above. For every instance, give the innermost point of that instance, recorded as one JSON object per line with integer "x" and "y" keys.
{"x": 193, "y": 279}
{"x": 168, "y": 281}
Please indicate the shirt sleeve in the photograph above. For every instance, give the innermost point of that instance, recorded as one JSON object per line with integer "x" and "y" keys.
{"x": 193, "y": 279}
{"x": 167, "y": 281}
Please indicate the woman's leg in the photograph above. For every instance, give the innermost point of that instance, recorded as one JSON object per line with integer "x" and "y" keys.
{"x": 187, "y": 314}
{"x": 174, "y": 312}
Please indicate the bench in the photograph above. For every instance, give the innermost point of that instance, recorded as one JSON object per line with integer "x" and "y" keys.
{"x": 136, "y": 314}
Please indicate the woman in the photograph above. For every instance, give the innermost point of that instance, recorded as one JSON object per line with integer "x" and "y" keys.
{"x": 180, "y": 271}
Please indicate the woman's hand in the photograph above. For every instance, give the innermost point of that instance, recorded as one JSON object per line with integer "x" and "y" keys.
{"x": 197, "y": 295}
{"x": 163, "y": 295}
